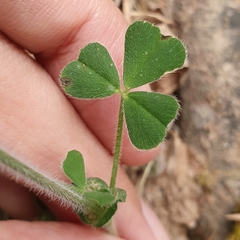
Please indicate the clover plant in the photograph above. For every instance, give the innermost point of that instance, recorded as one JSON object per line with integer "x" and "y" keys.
{"x": 148, "y": 55}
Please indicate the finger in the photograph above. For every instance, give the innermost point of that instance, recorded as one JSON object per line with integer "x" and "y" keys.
{"x": 153, "y": 222}
{"x": 55, "y": 31}
{"x": 50, "y": 231}
{"x": 39, "y": 126}
{"x": 17, "y": 201}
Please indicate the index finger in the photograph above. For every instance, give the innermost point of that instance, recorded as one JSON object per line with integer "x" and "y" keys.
{"x": 55, "y": 31}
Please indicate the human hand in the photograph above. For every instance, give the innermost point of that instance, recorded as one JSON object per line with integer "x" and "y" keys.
{"x": 39, "y": 125}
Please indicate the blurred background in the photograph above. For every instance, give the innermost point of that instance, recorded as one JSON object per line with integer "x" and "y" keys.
{"x": 194, "y": 184}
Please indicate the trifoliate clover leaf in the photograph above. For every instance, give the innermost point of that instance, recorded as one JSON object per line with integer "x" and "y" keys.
{"x": 148, "y": 55}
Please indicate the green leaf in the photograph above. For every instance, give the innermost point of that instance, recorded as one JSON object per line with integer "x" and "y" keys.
{"x": 102, "y": 198}
{"x": 148, "y": 55}
{"x": 96, "y": 189}
{"x": 73, "y": 167}
{"x": 147, "y": 116}
{"x": 94, "y": 75}
{"x": 120, "y": 194}
{"x": 103, "y": 206}
{"x": 96, "y": 184}
{"x": 99, "y": 216}
{"x": 106, "y": 216}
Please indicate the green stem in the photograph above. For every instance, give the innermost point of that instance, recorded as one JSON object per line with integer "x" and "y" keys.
{"x": 118, "y": 144}
{"x": 42, "y": 183}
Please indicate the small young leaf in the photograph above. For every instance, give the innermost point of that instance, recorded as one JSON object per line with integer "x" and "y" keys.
{"x": 96, "y": 184}
{"x": 106, "y": 216}
{"x": 96, "y": 189}
{"x": 102, "y": 198}
{"x": 120, "y": 194}
{"x": 147, "y": 116}
{"x": 104, "y": 206}
{"x": 73, "y": 167}
{"x": 99, "y": 216}
{"x": 93, "y": 75}
{"x": 148, "y": 55}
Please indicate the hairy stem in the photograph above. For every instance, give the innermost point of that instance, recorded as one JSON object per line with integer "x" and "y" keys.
{"x": 118, "y": 144}
{"x": 51, "y": 187}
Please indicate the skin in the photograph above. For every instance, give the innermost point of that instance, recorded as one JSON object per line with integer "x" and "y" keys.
{"x": 39, "y": 124}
